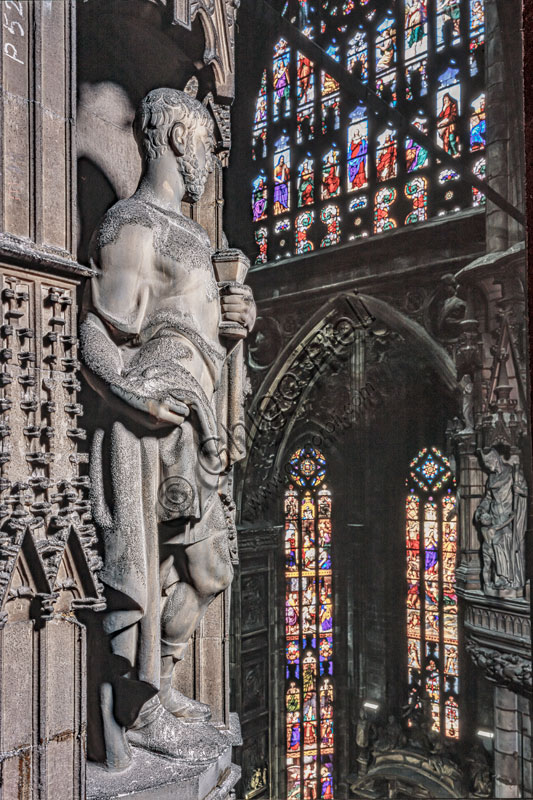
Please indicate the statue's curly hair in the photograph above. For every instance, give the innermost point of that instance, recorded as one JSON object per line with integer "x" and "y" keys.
{"x": 158, "y": 111}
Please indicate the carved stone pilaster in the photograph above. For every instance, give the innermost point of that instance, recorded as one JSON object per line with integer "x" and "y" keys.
{"x": 37, "y": 112}
{"x": 218, "y": 21}
{"x": 48, "y": 560}
{"x": 498, "y": 639}
{"x": 470, "y": 479}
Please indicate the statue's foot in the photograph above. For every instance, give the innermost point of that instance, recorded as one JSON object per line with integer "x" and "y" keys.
{"x": 168, "y": 736}
{"x": 184, "y": 708}
{"x": 502, "y": 583}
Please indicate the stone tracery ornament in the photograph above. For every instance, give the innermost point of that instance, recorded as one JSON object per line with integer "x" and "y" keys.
{"x": 218, "y": 20}
{"x": 156, "y": 347}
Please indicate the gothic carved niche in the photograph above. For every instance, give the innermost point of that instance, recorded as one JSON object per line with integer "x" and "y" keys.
{"x": 218, "y": 21}
{"x": 320, "y": 352}
{"x": 504, "y": 421}
{"x": 320, "y": 356}
{"x": 505, "y": 669}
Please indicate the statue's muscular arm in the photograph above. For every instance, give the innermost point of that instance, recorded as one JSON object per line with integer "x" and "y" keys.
{"x": 119, "y": 298}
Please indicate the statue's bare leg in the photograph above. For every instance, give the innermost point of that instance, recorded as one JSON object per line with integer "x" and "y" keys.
{"x": 208, "y": 572}
{"x": 118, "y": 753}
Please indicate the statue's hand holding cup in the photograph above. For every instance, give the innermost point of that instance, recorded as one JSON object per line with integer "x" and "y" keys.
{"x": 236, "y": 299}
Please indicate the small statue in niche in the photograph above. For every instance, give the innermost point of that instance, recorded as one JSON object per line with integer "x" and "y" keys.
{"x": 467, "y": 391}
{"x": 363, "y": 731}
{"x": 155, "y": 344}
{"x": 479, "y": 772}
{"x": 390, "y": 736}
{"x": 501, "y": 517}
{"x": 452, "y": 311}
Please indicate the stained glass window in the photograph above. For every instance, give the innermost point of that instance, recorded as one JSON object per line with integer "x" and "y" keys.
{"x": 431, "y": 548}
{"x": 309, "y": 689}
{"x": 282, "y": 173}
{"x": 312, "y": 142}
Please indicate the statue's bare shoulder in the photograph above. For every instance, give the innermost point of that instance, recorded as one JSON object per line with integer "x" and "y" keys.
{"x": 144, "y": 227}
{"x": 132, "y": 217}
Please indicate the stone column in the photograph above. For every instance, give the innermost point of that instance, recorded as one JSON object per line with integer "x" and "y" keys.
{"x": 37, "y": 126}
{"x": 471, "y": 481}
{"x": 507, "y": 744}
{"x": 524, "y": 706}
{"x": 497, "y": 128}
{"x": 46, "y": 555}
{"x": 504, "y": 103}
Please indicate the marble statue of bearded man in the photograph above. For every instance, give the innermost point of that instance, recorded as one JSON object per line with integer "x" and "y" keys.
{"x": 153, "y": 352}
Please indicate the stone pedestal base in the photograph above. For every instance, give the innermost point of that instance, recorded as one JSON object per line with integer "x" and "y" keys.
{"x": 152, "y": 777}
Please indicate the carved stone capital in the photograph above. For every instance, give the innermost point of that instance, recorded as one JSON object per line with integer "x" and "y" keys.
{"x": 506, "y": 669}
{"x": 498, "y": 639}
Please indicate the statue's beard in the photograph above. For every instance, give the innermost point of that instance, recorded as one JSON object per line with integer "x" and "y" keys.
{"x": 193, "y": 177}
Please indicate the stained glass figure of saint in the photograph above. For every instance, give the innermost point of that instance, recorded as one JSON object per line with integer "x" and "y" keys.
{"x": 309, "y": 629}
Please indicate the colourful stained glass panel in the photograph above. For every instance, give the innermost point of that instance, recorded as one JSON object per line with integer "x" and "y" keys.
{"x": 282, "y": 164}
{"x": 281, "y": 80}
{"x": 309, "y": 629}
{"x": 448, "y": 22}
{"x": 305, "y": 185}
{"x": 387, "y": 46}
{"x": 478, "y": 198}
{"x": 416, "y": 192}
{"x": 477, "y": 124}
{"x": 357, "y": 56}
{"x": 330, "y": 217}
{"x": 452, "y": 718}
{"x": 306, "y": 81}
{"x": 451, "y": 659}
{"x": 448, "y": 108}
{"x": 357, "y": 150}
{"x": 303, "y": 223}
{"x": 261, "y": 239}
{"x": 261, "y": 105}
{"x": 430, "y": 470}
{"x": 384, "y": 199}
{"x": 259, "y": 198}
{"x": 386, "y": 156}
{"x": 431, "y": 600}
{"x": 416, "y": 156}
{"x": 331, "y": 174}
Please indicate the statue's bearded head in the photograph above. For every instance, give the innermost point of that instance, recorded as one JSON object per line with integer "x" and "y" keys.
{"x": 492, "y": 460}
{"x": 171, "y": 121}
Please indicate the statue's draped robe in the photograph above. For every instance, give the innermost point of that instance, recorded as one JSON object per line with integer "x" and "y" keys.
{"x": 505, "y": 501}
{"x": 151, "y": 328}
